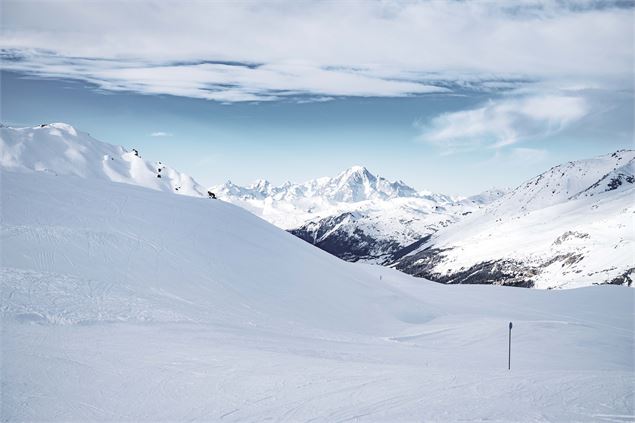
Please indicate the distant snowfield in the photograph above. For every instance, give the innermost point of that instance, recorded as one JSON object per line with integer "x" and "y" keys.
{"x": 121, "y": 303}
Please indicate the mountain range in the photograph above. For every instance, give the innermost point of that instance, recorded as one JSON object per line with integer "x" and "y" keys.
{"x": 570, "y": 226}
{"x": 356, "y": 215}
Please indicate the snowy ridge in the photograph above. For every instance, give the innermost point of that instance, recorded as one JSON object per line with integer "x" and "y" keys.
{"x": 291, "y": 205}
{"x": 350, "y": 186}
{"x": 60, "y": 149}
{"x": 571, "y": 226}
{"x": 562, "y": 182}
{"x": 620, "y": 178}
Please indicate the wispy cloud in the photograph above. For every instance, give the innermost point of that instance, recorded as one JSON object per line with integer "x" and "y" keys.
{"x": 504, "y": 122}
{"x": 161, "y": 134}
{"x": 245, "y": 51}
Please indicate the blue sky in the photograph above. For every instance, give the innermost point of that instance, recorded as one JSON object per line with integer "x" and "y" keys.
{"x": 448, "y": 96}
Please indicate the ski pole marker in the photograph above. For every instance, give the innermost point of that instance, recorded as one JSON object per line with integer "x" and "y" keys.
{"x": 509, "y": 353}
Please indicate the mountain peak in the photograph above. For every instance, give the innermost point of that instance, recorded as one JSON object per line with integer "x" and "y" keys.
{"x": 60, "y": 126}
{"x": 354, "y": 171}
{"x": 261, "y": 185}
{"x": 358, "y": 169}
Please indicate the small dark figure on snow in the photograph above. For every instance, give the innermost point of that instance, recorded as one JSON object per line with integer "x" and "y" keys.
{"x": 211, "y": 195}
{"x": 136, "y": 152}
{"x": 158, "y": 175}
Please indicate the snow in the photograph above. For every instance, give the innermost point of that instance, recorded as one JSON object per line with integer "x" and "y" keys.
{"x": 392, "y": 214}
{"x": 124, "y": 303}
{"x": 567, "y": 222}
{"x": 290, "y": 205}
{"x": 399, "y": 221}
{"x": 61, "y": 149}
{"x": 562, "y": 182}
{"x": 121, "y": 302}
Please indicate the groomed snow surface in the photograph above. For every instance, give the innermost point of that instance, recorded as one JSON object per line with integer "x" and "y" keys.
{"x": 122, "y": 303}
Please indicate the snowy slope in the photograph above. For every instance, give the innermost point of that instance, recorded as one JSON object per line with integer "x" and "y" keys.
{"x": 123, "y": 303}
{"x": 62, "y": 150}
{"x": 482, "y": 199}
{"x": 372, "y": 231}
{"x": 172, "y": 250}
{"x": 562, "y": 183}
{"x": 355, "y": 215}
{"x": 568, "y": 227}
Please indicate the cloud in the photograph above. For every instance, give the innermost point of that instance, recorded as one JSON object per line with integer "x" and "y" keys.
{"x": 217, "y": 81}
{"x": 247, "y": 51}
{"x": 161, "y": 134}
{"x": 504, "y": 122}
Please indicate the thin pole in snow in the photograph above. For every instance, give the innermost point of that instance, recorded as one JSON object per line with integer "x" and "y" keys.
{"x": 509, "y": 353}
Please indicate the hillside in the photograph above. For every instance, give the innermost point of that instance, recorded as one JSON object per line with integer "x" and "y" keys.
{"x": 61, "y": 149}
{"x": 568, "y": 227}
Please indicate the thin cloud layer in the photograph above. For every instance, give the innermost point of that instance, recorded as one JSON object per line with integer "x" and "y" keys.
{"x": 505, "y": 122}
{"x": 249, "y": 51}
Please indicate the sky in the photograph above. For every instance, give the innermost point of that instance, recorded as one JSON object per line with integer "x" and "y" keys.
{"x": 448, "y": 96}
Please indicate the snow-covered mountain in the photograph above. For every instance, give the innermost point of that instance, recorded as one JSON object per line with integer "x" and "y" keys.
{"x": 121, "y": 302}
{"x": 355, "y": 215}
{"x": 372, "y": 231}
{"x": 352, "y": 185}
{"x": 61, "y": 149}
{"x": 570, "y": 226}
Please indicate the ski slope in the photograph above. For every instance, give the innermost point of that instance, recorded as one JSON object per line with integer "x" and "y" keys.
{"x": 124, "y": 303}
